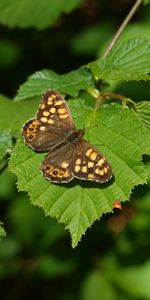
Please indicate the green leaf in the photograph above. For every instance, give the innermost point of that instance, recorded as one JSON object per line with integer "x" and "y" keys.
{"x": 39, "y": 14}
{"x": 69, "y": 83}
{"x": 128, "y": 60}
{"x": 2, "y": 231}
{"x": 7, "y": 185}
{"x": 134, "y": 280}
{"x": 12, "y": 117}
{"x": 97, "y": 287}
{"x": 123, "y": 139}
{"x": 143, "y": 111}
{"x": 49, "y": 266}
{"x": 6, "y": 144}
{"x": 89, "y": 40}
{"x": 146, "y": 1}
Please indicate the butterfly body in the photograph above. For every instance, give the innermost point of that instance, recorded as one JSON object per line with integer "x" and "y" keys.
{"x": 69, "y": 155}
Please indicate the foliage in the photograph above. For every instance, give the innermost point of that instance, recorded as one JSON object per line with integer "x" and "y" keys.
{"x": 2, "y": 231}
{"x": 28, "y": 13}
{"x": 109, "y": 97}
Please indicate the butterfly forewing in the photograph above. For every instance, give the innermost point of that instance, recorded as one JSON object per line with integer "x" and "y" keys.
{"x": 53, "y": 110}
{"x": 90, "y": 164}
{"x": 51, "y": 124}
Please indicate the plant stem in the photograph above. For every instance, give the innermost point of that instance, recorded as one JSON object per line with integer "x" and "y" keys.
{"x": 122, "y": 27}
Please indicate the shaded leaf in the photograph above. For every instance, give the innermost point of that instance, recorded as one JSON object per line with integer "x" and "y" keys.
{"x": 12, "y": 117}
{"x": 96, "y": 287}
{"x": 134, "y": 280}
{"x": 2, "y": 231}
{"x": 6, "y": 144}
{"x": 26, "y": 13}
{"x": 49, "y": 266}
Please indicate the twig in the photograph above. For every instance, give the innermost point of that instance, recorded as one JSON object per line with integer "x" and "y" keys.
{"x": 122, "y": 27}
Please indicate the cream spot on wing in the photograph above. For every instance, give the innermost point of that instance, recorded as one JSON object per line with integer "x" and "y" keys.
{"x": 67, "y": 173}
{"x": 65, "y": 164}
{"x": 93, "y": 155}
{"x": 50, "y": 121}
{"x": 90, "y": 164}
{"x": 97, "y": 171}
{"x": 44, "y": 119}
{"x": 36, "y": 122}
{"x": 88, "y": 152}
{"x": 90, "y": 176}
{"x": 59, "y": 102}
{"x": 45, "y": 113}
{"x": 101, "y": 172}
{"x": 53, "y": 96}
{"x": 105, "y": 170}
{"x": 63, "y": 116}
{"x": 42, "y": 106}
{"x": 100, "y": 162}
{"x": 50, "y": 101}
{"x": 78, "y": 161}
{"x": 84, "y": 169}
{"x": 61, "y": 111}
{"x": 52, "y": 110}
{"x": 77, "y": 168}
{"x": 42, "y": 128}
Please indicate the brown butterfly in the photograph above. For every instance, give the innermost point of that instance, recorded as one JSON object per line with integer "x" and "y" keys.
{"x": 69, "y": 155}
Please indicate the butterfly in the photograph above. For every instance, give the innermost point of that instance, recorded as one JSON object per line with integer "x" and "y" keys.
{"x": 69, "y": 155}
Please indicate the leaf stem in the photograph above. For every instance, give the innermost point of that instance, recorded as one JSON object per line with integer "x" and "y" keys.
{"x": 122, "y": 27}
{"x": 116, "y": 96}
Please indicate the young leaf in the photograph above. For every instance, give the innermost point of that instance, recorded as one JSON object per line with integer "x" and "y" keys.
{"x": 128, "y": 60}
{"x": 39, "y": 14}
{"x": 123, "y": 139}
{"x": 69, "y": 83}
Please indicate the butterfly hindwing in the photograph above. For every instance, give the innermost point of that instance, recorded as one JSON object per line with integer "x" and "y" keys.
{"x": 57, "y": 166}
{"x": 90, "y": 164}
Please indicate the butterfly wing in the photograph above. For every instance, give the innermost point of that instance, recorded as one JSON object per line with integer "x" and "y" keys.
{"x": 57, "y": 166}
{"x": 90, "y": 164}
{"x": 51, "y": 124}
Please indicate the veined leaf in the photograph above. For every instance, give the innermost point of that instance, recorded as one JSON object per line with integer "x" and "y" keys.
{"x": 69, "y": 83}
{"x": 143, "y": 111}
{"x": 128, "y": 60}
{"x": 39, "y": 14}
{"x": 123, "y": 139}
